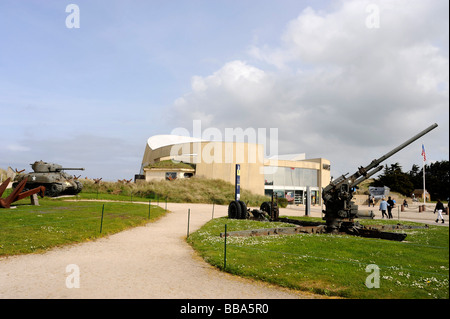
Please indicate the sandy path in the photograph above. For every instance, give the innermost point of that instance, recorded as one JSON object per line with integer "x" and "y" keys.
{"x": 153, "y": 261}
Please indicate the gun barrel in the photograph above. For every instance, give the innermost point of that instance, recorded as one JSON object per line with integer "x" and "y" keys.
{"x": 363, "y": 178}
{"x": 70, "y": 169}
{"x": 400, "y": 147}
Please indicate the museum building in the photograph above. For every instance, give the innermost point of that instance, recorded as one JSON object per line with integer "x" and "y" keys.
{"x": 172, "y": 156}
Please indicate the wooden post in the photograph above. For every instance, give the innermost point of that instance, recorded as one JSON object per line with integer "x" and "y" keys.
{"x": 34, "y": 200}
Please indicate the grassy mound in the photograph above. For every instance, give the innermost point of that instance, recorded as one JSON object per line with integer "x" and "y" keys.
{"x": 189, "y": 190}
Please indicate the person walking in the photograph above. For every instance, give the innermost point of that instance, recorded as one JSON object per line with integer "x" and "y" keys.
{"x": 391, "y": 204}
{"x": 439, "y": 208}
{"x": 383, "y": 207}
{"x": 370, "y": 200}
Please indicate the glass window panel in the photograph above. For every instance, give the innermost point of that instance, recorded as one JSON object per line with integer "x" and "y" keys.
{"x": 288, "y": 176}
{"x": 289, "y": 195}
{"x": 268, "y": 175}
{"x": 278, "y": 176}
{"x": 298, "y": 197}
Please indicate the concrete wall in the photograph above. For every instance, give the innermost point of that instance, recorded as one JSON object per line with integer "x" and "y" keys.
{"x": 227, "y": 155}
{"x": 219, "y": 159}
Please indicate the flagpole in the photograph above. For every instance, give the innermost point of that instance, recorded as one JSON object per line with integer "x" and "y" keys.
{"x": 423, "y": 169}
{"x": 423, "y": 182}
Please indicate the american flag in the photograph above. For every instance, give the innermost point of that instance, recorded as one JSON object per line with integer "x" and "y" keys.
{"x": 423, "y": 153}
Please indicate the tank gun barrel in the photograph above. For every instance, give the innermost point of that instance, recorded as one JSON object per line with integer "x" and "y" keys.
{"x": 70, "y": 169}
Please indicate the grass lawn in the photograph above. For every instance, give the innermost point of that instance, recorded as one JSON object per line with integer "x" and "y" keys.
{"x": 333, "y": 264}
{"x": 27, "y": 229}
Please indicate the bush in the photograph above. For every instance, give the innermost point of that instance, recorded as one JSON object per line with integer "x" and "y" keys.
{"x": 282, "y": 202}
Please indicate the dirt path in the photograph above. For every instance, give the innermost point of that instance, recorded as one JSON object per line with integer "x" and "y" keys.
{"x": 153, "y": 261}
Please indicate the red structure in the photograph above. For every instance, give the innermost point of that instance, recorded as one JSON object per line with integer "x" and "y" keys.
{"x": 16, "y": 193}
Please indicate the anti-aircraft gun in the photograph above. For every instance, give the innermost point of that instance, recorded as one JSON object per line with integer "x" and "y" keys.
{"x": 337, "y": 196}
{"x": 53, "y": 177}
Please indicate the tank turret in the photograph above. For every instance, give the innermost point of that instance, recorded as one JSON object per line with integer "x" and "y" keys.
{"x": 53, "y": 177}
{"x": 43, "y": 167}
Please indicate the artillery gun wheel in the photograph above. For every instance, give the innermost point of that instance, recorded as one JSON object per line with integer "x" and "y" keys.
{"x": 234, "y": 210}
{"x": 244, "y": 213}
{"x": 266, "y": 207}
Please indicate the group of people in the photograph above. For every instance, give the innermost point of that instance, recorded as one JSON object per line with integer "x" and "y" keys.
{"x": 387, "y": 205}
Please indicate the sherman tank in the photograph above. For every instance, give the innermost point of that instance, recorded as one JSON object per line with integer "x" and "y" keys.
{"x": 52, "y": 177}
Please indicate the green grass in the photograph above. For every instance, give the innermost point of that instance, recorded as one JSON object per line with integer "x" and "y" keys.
{"x": 171, "y": 164}
{"x": 333, "y": 264}
{"x": 183, "y": 190}
{"x": 27, "y": 229}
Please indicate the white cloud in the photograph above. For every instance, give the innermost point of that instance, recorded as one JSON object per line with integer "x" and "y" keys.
{"x": 97, "y": 154}
{"x": 334, "y": 87}
{"x": 17, "y": 148}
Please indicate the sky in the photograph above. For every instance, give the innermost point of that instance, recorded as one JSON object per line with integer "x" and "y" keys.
{"x": 343, "y": 80}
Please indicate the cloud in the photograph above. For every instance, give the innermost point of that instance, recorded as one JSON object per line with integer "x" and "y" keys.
{"x": 335, "y": 88}
{"x": 106, "y": 157}
{"x": 17, "y": 148}
{"x": 220, "y": 95}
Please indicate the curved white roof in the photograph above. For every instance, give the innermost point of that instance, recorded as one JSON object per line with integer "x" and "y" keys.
{"x": 289, "y": 157}
{"x": 158, "y": 141}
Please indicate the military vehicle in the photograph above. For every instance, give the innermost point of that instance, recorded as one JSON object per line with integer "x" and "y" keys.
{"x": 52, "y": 176}
{"x": 340, "y": 211}
{"x": 337, "y": 196}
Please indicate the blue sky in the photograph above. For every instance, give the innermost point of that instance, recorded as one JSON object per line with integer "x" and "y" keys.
{"x": 92, "y": 96}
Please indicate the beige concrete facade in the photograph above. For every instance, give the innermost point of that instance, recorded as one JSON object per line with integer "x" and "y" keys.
{"x": 217, "y": 160}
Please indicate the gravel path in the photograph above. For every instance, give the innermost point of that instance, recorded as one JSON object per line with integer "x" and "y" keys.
{"x": 152, "y": 261}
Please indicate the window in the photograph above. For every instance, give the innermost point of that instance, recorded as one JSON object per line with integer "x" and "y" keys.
{"x": 290, "y": 176}
{"x": 171, "y": 176}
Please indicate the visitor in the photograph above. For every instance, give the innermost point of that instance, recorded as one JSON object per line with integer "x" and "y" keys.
{"x": 439, "y": 208}
{"x": 391, "y": 204}
{"x": 383, "y": 207}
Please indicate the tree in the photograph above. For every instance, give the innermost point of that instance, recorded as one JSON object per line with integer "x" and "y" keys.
{"x": 394, "y": 178}
{"x": 436, "y": 179}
